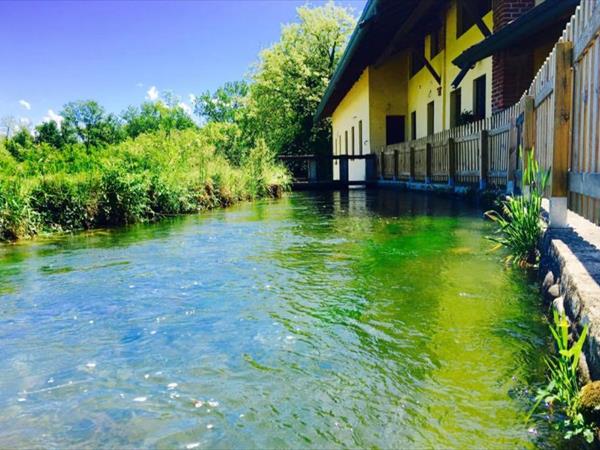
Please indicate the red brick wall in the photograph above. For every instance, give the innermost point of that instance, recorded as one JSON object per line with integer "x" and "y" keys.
{"x": 512, "y": 69}
{"x": 505, "y": 11}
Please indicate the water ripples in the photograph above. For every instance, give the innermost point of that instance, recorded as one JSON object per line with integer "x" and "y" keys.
{"x": 315, "y": 321}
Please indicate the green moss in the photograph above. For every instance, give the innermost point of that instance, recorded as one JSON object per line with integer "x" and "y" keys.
{"x": 589, "y": 401}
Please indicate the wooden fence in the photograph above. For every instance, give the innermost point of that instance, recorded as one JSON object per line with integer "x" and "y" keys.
{"x": 557, "y": 116}
{"x": 475, "y": 154}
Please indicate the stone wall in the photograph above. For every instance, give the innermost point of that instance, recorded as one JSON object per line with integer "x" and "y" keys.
{"x": 570, "y": 268}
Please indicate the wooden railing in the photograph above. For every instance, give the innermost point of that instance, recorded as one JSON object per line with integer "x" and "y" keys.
{"x": 557, "y": 116}
{"x": 473, "y": 154}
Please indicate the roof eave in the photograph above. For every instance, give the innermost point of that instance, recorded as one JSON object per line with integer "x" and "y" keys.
{"x": 356, "y": 38}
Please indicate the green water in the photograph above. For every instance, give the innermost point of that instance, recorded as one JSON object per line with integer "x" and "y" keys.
{"x": 336, "y": 320}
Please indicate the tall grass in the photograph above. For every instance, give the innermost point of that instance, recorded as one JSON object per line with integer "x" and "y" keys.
{"x": 519, "y": 222}
{"x": 562, "y": 392}
{"x": 139, "y": 180}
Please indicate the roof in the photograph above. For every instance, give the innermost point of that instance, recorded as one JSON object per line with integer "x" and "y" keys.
{"x": 526, "y": 26}
{"x": 378, "y": 25}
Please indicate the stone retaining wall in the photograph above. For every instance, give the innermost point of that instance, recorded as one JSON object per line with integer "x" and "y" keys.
{"x": 570, "y": 268}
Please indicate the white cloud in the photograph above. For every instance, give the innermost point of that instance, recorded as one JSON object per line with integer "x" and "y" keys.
{"x": 152, "y": 93}
{"x": 192, "y": 99}
{"x": 52, "y": 116}
{"x": 25, "y": 104}
{"x": 140, "y": 84}
{"x": 186, "y": 108}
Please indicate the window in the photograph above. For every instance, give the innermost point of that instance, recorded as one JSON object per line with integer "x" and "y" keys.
{"x": 413, "y": 125}
{"x": 479, "y": 98}
{"x": 436, "y": 42}
{"x": 346, "y": 138}
{"x": 360, "y": 138}
{"x": 394, "y": 129}
{"x": 417, "y": 58}
{"x": 455, "y": 108}
{"x": 464, "y": 14}
{"x": 430, "y": 118}
{"x": 353, "y": 147}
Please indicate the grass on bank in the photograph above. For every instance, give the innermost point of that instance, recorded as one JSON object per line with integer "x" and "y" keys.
{"x": 562, "y": 396}
{"x": 143, "y": 179}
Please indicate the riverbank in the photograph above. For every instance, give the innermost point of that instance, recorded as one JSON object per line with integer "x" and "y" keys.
{"x": 140, "y": 180}
{"x": 570, "y": 271}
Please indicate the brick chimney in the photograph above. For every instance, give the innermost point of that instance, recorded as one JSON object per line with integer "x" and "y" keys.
{"x": 512, "y": 69}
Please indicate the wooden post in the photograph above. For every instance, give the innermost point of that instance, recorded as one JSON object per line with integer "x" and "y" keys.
{"x": 412, "y": 164}
{"x": 428, "y": 153}
{"x": 396, "y": 164}
{"x": 512, "y": 158}
{"x": 484, "y": 159}
{"x": 451, "y": 162}
{"x": 528, "y": 127}
{"x": 370, "y": 171}
{"x": 344, "y": 172}
{"x": 563, "y": 92}
{"x": 312, "y": 170}
{"x": 380, "y": 164}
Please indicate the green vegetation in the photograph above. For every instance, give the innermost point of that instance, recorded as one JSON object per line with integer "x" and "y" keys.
{"x": 520, "y": 225}
{"x": 562, "y": 393}
{"x": 140, "y": 179}
{"x": 99, "y": 169}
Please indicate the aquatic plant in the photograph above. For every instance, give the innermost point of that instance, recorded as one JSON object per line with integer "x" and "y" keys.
{"x": 519, "y": 222}
{"x": 562, "y": 392}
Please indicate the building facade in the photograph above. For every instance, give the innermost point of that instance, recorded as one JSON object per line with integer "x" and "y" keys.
{"x": 413, "y": 68}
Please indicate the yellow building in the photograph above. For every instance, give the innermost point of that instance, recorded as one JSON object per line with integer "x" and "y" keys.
{"x": 416, "y": 67}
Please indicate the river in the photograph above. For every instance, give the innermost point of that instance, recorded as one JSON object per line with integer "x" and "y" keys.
{"x": 319, "y": 320}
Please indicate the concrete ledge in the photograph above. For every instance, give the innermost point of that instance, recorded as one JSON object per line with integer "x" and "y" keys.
{"x": 573, "y": 256}
{"x": 420, "y": 186}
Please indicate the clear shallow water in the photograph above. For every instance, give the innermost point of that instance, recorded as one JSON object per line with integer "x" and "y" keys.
{"x": 324, "y": 321}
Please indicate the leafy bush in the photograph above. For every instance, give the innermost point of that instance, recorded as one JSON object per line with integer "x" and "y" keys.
{"x": 124, "y": 197}
{"x": 66, "y": 202}
{"x": 519, "y": 223}
{"x": 562, "y": 391}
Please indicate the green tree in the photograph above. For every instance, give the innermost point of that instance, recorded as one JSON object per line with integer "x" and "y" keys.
{"x": 154, "y": 116}
{"x": 87, "y": 122}
{"x": 224, "y": 105}
{"x": 292, "y": 75}
{"x": 21, "y": 142}
{"x": 49, "y": 132}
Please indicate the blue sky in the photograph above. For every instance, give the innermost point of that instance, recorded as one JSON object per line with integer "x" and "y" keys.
{"x": 116, "y": 51}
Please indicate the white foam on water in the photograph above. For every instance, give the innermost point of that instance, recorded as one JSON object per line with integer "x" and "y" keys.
{"x": 213, "y": 403}
{"x": 171, "y": 386}
{"x": 210, "y": 426}
{"x": 140, "y": 399}
{"x": 193, "y": 445}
